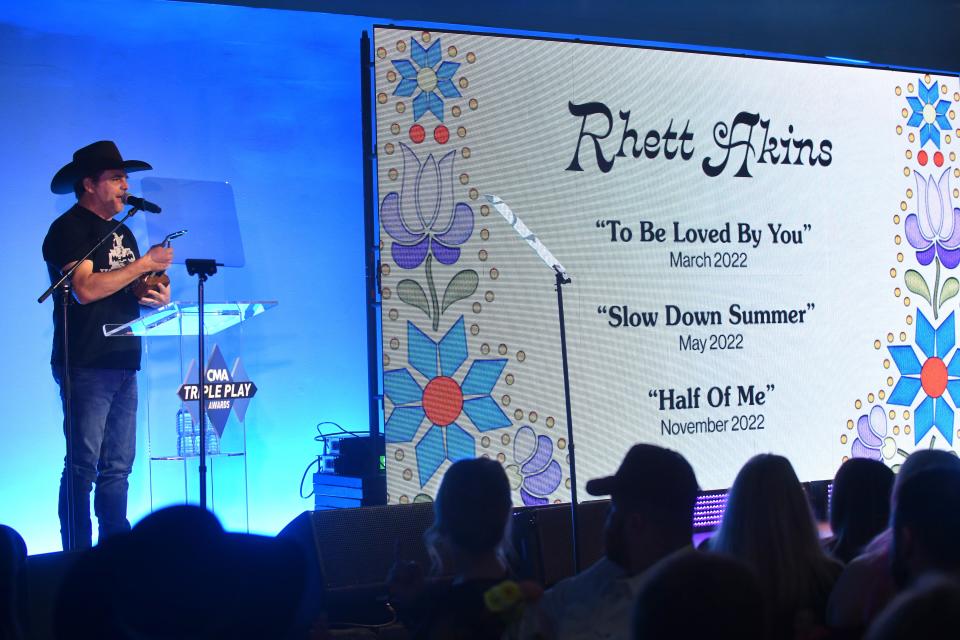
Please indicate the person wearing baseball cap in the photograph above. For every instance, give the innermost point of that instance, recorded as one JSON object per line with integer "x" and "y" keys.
{"x": 103, "y": 370}
{"x": 652, "y": 496}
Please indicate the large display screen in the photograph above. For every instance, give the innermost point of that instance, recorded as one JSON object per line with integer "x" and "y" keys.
{"x": 763, "y": 257}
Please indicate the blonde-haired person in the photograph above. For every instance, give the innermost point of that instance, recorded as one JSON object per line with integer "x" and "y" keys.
{"x": 467, "y": 540}
{"x": 768, "y": 525}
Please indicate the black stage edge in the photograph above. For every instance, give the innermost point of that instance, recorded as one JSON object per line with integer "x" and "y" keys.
{"x": 371, "y": 255}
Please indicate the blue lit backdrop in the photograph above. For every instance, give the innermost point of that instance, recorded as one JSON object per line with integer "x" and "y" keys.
{"x": 267, "y": 100}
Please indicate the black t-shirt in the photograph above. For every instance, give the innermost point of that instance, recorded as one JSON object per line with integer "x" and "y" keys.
{"x": 69, "y": 238}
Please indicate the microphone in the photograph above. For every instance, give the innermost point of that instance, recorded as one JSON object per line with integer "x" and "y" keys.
{"x": 140, "y": 203}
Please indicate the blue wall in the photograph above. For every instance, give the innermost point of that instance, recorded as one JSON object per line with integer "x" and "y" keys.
{"x": 267, "y": 100}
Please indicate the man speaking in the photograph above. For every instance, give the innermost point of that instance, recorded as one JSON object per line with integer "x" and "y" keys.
{"x": 102, "y": 371}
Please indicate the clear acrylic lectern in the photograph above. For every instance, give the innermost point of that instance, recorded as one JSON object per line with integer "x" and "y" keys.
{"x": 180, "y": 319}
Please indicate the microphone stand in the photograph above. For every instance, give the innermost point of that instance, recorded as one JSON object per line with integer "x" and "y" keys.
{"x": 561, "y": 278}
{"x": 64, "y": 288}
{"x": 203, "y": 269}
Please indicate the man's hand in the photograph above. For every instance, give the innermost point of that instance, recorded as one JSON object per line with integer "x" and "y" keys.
{"x": 158, "y": 258}
{"x": 90, "y": 287}
{"x": 156, "y": 296}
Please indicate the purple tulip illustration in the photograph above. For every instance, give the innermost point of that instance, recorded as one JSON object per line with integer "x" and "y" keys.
{"x": 423, "y": 219}
{"x": 872, "y": 440}
{"x": 426, "y": 224}
{"x": 934, "y": 232}
{"x": 541, "y": 473}
{"x": 935, "y": 228}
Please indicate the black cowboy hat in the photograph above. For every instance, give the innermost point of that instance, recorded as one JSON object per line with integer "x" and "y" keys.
{"x": 90, "y": 160}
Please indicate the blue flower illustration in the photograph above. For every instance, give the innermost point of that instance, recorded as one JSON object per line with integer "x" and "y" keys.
{"x": 929, "y": 114}
{"x": 423, "y": 75}
{"x": 934, "y": 377}
{"x": 443, "y": 400}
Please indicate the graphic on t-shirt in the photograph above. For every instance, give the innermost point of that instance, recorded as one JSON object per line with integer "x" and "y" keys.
{"x": 119, "y": 255}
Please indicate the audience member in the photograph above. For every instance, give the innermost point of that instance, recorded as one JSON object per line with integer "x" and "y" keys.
{"x": 928, "y": 610}
{"x": 866, "y": 584}
{"x": 768, "y": 524}
{"x": 471, "y": 513}
{"x": 859, "y": 506}
{"x": 13, "y": 591}
{"x": 177, "y": 574}
{"x": 691, "y": 595}
{"x": 651, "y": 516}
{"x": 926, "y": 526}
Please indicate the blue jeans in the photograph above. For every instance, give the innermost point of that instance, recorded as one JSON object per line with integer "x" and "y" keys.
{"x": 104, "y": 443}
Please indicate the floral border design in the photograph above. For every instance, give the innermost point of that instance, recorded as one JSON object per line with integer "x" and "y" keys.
{"x": 928, "y": 366}
{"x": 439, "y": 398}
